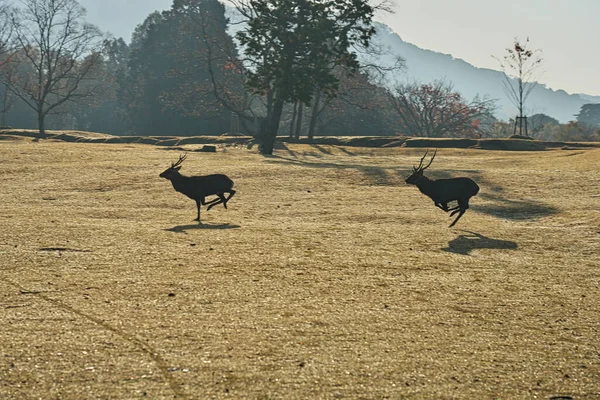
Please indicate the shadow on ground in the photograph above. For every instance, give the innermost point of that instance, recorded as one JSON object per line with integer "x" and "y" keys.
{"x": 190, "y": 227}
{"x": 392, "y": 175}
{"x": 470, "y": 241}
{"x": 378, "y": 176}
{"x": 516, "y": 210}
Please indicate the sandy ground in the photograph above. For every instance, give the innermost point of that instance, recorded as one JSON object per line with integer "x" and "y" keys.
{"x": 327, "y": 277}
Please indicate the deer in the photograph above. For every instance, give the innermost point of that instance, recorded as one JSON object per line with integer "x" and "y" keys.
{"x": 198, "y": 188}
{"x": 443, "y": 191}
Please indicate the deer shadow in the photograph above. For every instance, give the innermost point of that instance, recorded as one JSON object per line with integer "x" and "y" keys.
{"x": 466, "y": 243}
{"x": 190, "y": 227}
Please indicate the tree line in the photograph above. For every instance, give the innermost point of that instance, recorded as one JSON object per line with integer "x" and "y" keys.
{"x": 263, "y": 68}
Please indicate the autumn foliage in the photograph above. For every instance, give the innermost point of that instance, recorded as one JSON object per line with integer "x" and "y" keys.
{"x": 437, "y": 110}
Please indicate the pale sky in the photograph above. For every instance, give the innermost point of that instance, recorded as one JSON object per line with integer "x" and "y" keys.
{"x": 567, "y": 31}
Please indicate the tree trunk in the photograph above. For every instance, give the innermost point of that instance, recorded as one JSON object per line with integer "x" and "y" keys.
{"x": 293, "y": 120}
{"x": 313, "y": 117}
{"x": 268, "y": 139}
{"x": 5, "y": 107}
{"x": 521, "y": 124}
{"x": 41, "y": 121}
{"x": 299, "y": 121}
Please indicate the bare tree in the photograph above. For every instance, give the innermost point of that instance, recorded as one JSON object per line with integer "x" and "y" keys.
{"x": 6, "y": 61}
{"x": 5, "y": 27}
{"x": 61, "y": 51}
{"x": 436, "y": 110}
{"x": 7, "y": 73}
{"x": 520, "y": 67}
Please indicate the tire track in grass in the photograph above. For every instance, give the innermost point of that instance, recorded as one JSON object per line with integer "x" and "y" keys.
{"x": 160, "y": 362}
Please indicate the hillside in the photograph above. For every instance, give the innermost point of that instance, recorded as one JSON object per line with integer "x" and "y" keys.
{"x": 426, "y": 65}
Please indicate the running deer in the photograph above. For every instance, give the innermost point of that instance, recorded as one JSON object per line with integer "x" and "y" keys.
{"x": 198, "y": 188}
{"x": 443, "y": 191}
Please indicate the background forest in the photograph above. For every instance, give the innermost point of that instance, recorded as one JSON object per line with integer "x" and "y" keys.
{"x": 196, "y": 70}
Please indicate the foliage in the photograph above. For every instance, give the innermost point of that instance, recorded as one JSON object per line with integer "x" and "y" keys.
{"x": 589, "y": 114}
{"x": 205, "y": 55}
{"x": 499, "y": 129}
{"x": 180, "y": 75}
{"x": 292, "y": 47}
{"x": 360, "y": 109}
{"x": 574, "y": 132}
{"x": 436, "y": 110}
{"x": 539, "y": 124}
{"x": 149, "y": 64}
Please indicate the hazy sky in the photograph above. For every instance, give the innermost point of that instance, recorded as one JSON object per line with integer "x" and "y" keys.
{"x": 567, "y": 31}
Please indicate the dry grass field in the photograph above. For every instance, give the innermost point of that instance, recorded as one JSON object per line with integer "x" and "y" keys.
{"x": 328, "y": 277}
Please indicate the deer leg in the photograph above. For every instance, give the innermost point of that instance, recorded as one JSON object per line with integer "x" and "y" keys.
{"x": 212, "y": 201}
{"x": 198, "y": 207}
{"x": 461, "y": 212}
{"x": 443, "y": 206}
{"x": 231, "y": 193}
{"x": 461, "y": 209}
{"x": 220, "y": 200}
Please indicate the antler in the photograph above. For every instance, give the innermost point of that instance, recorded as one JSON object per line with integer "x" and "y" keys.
{"x": 181, "y": 159}
{"x": 420, "y": 162}
{"x": 420, "y": 167}
{"x": 430, "y": 161}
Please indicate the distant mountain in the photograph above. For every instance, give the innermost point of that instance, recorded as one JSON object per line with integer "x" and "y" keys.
{"x": 426, "y": 66}
{"x": 590, "y": 99}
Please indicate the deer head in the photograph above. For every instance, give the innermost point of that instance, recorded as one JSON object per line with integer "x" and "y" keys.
{"x": 417, "y": 173}
{"x": 174, "y": 168}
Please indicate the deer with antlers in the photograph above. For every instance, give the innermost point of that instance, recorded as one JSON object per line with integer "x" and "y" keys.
{"x": 198, "y": 188}
{"x": 443, "y": 191}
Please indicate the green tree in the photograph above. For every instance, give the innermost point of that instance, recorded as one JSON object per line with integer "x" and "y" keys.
{"x": 177, "y": 58}
{"x": 589, "y": 115}
{"x": 576, "y": 132}
{"x": 292, "y": 46}
{"x": 538, "y": 123}
{"x": 207, "y": 63}
{"x": 147, "y": 77}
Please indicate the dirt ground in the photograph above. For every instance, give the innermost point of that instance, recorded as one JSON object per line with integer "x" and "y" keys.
{"x": 327, "y": 277}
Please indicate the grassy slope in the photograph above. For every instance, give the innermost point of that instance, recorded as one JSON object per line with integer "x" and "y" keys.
{"x": 327, "y": 277}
